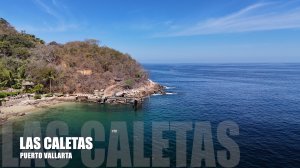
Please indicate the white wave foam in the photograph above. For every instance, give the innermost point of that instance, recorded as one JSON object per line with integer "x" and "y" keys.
{"x": 169, "y": 93}
{"x": 156, "y": 94}
{"x": 169, "y": 87}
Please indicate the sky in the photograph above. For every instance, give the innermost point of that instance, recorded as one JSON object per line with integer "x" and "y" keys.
{"x": 169, "y": 31}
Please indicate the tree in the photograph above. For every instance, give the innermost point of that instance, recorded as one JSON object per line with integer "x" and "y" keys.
{"x": 6, "y": 77}
{"x": 50, "y": 78}
{"x": 5, "y": 49}
{"x": 38, "y": 89}
{"x": 92, "y": 41}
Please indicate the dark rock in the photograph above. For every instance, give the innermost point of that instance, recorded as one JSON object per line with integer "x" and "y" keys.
{"x": 21, "y": 114}
{"x": 82, "y": 98}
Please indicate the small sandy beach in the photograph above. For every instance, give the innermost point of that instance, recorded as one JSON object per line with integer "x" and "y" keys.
{"x": 25, "y": 103}
{"x": 24, "y": 106}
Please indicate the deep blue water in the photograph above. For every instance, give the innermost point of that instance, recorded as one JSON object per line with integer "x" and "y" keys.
{"x": 263, "y": 99}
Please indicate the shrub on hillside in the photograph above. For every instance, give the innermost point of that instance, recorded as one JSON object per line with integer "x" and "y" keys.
{"x": 3, "y": 94}
{"x": 37, "y": 96}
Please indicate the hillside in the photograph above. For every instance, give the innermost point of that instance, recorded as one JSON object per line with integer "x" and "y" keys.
{"x": 74, "y": 67}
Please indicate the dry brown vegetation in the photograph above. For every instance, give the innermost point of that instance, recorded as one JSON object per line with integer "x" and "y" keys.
{"x": 79, "y": 66}
{"x": 82, "y": 67}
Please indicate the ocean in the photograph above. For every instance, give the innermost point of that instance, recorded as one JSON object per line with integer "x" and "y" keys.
{"x": 262, "y": 99}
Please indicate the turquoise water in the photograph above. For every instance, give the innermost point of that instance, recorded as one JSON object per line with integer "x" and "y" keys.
{"x": 263, "y": 99}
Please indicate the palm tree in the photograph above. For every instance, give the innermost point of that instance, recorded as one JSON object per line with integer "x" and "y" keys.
{"x": 50, "y": 77}
{"x": 8, "y": 80}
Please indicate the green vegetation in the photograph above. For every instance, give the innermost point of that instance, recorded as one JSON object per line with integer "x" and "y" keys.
{"x": 38, "y": 89}
{"x": 2, "y": 95}
{"x": 129, "y": 83}
{"x": 6, "y": 94}
{"x": 79, "y": 66}
{"x": 49, "y": 95}
{"x": 37, "y": 96}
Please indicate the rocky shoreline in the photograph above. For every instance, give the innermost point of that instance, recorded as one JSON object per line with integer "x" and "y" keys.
{"x": 24, "y": 104}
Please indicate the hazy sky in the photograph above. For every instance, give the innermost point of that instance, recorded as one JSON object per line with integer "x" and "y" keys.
{"x": 169, "y": 31}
